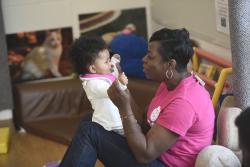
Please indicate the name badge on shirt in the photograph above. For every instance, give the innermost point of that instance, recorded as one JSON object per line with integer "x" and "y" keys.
{"x": 155, "y": 113}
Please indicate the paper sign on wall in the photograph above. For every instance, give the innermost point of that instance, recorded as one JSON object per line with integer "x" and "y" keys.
{"x": 222, "y": 19}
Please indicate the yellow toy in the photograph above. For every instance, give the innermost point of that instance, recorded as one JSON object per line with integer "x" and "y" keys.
{"x": 4, "y": 140}
{"x": 225, "y": 71}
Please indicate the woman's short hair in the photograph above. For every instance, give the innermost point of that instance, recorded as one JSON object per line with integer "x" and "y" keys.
{"x": 174, "y": 44}
{"x": 84, "y": 52}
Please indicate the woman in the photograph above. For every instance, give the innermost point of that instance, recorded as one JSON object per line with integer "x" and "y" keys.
{"x": 180, "y": 117}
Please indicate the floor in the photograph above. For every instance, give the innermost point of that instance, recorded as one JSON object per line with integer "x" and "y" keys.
{"x": 27, "y": 150}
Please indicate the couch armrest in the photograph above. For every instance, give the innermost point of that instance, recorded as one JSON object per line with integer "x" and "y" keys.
{"x": 227, "y": 132}
{"x": 48, "y": 100}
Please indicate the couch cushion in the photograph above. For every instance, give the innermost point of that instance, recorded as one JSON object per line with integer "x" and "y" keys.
{"x": 217, "y": 156}
{"x": 57, "y": 129}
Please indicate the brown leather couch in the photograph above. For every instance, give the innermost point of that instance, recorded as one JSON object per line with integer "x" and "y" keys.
{"x": 54, "y": 109}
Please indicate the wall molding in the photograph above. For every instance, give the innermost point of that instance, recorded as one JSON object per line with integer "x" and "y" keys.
{"x": 6, "y": 114}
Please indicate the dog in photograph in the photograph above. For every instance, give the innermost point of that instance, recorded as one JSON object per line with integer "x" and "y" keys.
{"x": 43, "y": 60}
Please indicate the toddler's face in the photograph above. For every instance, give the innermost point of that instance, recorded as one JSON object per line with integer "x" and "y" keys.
{"x": 102, "y": 63}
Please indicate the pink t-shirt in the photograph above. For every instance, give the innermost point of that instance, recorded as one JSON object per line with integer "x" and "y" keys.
{"x": 187, "y": 111}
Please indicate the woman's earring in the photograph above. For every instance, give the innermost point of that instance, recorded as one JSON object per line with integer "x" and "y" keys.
{"x": 169, "y": 76}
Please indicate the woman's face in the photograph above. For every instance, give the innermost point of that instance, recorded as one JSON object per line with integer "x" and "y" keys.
{"x": 153, "y": 66}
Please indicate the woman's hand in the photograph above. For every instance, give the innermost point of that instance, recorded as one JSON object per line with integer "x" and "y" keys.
{"x": 121, "y": 98}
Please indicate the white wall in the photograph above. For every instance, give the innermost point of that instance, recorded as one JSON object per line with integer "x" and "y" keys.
{"x": 28, "y": 15}
{"x": 198, "y": 16}
{"x": 6, "y": 114}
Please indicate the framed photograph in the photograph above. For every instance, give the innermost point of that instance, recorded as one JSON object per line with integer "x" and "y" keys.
{"x": 110, "y": 23}
{"x": 39, "y": 55}
{"x": 124, "y": 31}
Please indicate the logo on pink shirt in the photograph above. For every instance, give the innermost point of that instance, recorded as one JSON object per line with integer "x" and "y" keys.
{"x": 154, "y": 115}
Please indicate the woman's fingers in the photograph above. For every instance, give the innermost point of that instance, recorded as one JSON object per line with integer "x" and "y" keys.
{"x": 118, "y": 96}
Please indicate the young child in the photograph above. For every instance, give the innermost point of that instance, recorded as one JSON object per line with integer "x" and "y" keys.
{"x": 243, "y": 123}
{"x": 91, "y": 58}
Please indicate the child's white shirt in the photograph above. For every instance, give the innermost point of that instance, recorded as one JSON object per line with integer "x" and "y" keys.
{"x": 105, "y": 112}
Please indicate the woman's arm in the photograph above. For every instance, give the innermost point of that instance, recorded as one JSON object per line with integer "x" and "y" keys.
{"x": 144, "y": 147}
{"x": 140, "y": 116}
